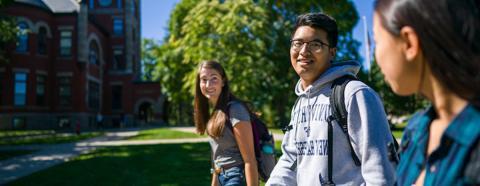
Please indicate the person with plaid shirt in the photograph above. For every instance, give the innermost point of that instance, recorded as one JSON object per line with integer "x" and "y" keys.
{"x": 432, "y": 48}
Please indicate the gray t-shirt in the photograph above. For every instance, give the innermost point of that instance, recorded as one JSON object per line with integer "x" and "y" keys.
{"x": 224, "y": 148}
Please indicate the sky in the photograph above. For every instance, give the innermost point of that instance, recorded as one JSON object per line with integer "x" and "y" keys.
{"x": 156, "y": 13}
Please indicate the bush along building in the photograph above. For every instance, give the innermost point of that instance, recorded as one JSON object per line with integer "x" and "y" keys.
{"x": 73, "y": 62}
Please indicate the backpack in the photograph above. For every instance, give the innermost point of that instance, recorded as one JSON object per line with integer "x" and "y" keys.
{"x": 340, "y": 114}
{"x": 264, "y": 146}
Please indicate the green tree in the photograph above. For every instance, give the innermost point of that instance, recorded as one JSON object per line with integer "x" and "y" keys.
{"x": 395, "y": 106}
{"x": 149, "y": 59}
{"x": 251, "y": 39}
{"x": 8, "y": 30}
{"x": 281, "y": 18}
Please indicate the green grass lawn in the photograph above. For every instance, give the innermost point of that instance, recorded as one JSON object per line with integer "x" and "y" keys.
{"x": 9, "y": 154}
{"x": 276, "y": 130}
{"x": 167, "y": 164}
{"x": 164, "y": 133}
{"x": 20, "y": 133}
{"x": 397, "y": 130}
{"x": 47, "y": 139}
{"x": 397, "y": 134}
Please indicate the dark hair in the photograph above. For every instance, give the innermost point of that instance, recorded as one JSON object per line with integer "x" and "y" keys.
{"x": 212, "y": 124}
{"x": 319, "y": 21}
{"x": 449, "y": 36}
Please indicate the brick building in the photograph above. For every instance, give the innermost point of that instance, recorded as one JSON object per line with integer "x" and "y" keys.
{"x": 73, "y": 60}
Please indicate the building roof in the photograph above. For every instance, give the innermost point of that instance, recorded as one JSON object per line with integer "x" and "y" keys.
{"x": 56, "y": 6}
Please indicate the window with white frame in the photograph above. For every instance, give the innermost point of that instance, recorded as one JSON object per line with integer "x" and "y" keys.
{"x": 40, "y": 98}
{"x": 118, "y": 26}
{"x": 22, "y": 37}
{"x": 65, "y": 43}
{"x": 118, "y": 60}
{"x": 20, "y": 96}
{"x": 93, "y": 54}
{"x": 64, "y": 91}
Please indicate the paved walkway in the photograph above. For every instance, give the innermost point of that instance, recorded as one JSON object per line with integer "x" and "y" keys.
{"x": 50, "y": 155}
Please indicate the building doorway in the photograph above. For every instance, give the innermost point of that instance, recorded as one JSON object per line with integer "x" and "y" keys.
{"x": 145, "y": 113}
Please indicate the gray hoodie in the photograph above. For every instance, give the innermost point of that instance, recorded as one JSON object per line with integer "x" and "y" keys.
{"x": 304, "y": 148}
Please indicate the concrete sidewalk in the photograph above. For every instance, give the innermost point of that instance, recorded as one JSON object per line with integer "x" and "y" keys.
{"x": 50, "y": 155}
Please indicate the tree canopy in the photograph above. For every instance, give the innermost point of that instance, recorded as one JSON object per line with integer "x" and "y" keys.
{"x": 394, "y": 105}
{"x": 251, "y": 40}
{"x": 8, "y": 30}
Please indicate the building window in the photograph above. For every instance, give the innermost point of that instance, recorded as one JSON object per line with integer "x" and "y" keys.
{"x": 65, "y": 43}
{"x": 94, "y": 95}
{"x": 19, "y": 123}
{"x": 22, "y": 37}
{"x": 118, "y": 60}
{"x": 117, "y": 26}
{"x": 91, "y": 4}
{"x": 93, "y": 56}
{"x": 42, "y": 41}
{"x": 116, "y": 97}
{"x": 119, "y": 4}
{"x": 20, "y": 89}
{"x": 132, "y": 8}
{"x": 64, "y": 122}
{"x": 105, "y": 3}
{"x": 65, "y": 92}
{"x": 40, "y": 90}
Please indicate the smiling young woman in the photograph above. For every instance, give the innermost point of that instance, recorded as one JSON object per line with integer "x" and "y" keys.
{"x": 226, "y": 120}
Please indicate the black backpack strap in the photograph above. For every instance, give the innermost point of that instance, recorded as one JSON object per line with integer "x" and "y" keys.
{"x": 330, "y": 153}
{"x": 339, "y": 112}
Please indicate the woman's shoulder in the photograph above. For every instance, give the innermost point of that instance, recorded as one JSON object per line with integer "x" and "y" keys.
{"x": 236, "y": 105}
{"x": 238, "y": 110}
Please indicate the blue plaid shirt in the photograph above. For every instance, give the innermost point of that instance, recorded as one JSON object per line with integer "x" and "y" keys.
{"x": 445, "y": 166}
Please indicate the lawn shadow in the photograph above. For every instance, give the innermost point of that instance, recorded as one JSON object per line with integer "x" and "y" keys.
{"x": 166, "y": 164}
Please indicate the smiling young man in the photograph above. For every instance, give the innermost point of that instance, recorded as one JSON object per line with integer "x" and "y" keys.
{"x": 305, "y": 145}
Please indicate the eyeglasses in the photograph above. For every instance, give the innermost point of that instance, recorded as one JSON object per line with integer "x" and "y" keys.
{"x": 313, "y": 46}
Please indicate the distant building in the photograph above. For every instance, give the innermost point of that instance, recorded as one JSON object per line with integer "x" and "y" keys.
{"x": 72, "y": 60}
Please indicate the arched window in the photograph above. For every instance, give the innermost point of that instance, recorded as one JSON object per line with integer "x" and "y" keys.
{"x": 22, "y": 37}
{"x": 42, "y": 41}
{"x": 93, "y": 54}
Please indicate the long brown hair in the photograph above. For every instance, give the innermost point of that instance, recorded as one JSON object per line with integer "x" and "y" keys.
{"x": 214, "y": 123}
{"x": 449, "y": 34}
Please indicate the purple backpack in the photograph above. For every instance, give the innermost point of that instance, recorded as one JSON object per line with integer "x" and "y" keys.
{"x": 264, "y": 146}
